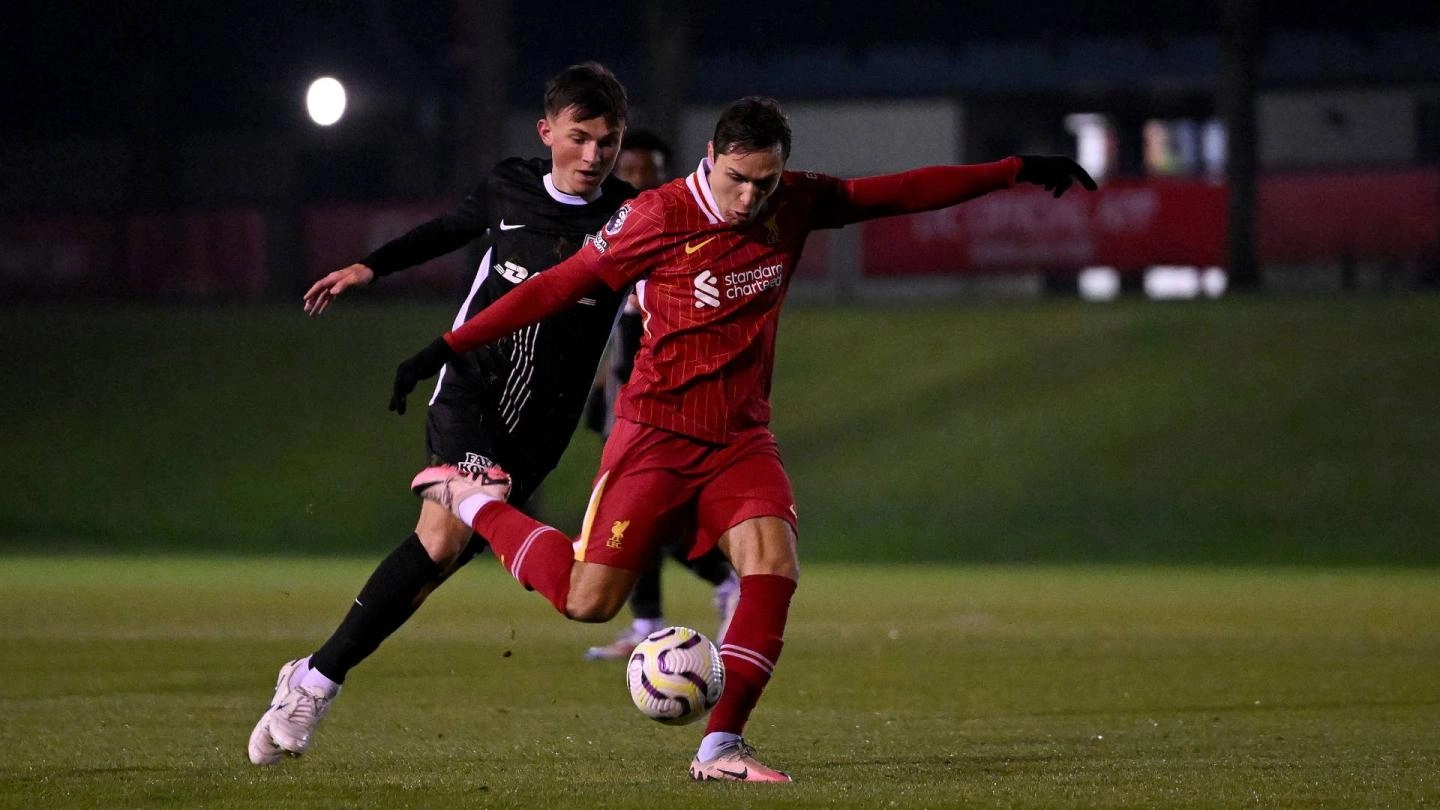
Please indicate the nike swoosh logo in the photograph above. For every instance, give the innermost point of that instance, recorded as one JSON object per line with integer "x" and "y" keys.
{"x": 745, "y": 774}
{"x": 689, "y": 248}
{"x": 504, "y": 226}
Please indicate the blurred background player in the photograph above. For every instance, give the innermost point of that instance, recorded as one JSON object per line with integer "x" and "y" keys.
{"x": 644, "y": 163}
{"x": 516, "y": 402}
{"x": 714, "y": 255}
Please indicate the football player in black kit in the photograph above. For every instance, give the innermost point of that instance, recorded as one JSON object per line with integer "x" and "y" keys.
{"x": 515, "y": 404}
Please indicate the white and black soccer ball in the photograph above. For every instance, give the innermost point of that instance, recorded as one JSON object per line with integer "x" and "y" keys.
{"x": 675, "y": 675}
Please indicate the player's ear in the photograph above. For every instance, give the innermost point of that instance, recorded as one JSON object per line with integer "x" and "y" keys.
{"x": 710, "y": 151}
{"x": 547, "y": 134}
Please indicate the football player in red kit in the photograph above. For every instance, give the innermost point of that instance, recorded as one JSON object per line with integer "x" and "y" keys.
{"x": 711, "y": 257}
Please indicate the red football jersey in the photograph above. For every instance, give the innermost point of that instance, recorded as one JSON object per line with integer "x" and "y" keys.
{"x": 710, "y": 294}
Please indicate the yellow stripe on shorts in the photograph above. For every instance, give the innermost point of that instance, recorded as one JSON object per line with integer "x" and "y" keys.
{"x": 583, "y": 541}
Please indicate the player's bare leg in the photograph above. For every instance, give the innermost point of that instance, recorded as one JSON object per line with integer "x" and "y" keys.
{"x": 763, "y": 551}
{"x": 444, "y": 537}
{"x": 598, "y": 592}
{"x": 763, "y": 545}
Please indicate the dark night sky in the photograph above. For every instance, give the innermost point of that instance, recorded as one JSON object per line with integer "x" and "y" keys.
{"x": 78, "y": 68}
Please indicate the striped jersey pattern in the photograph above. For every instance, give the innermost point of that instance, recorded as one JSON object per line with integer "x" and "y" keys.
{"x": 710, "y": 296}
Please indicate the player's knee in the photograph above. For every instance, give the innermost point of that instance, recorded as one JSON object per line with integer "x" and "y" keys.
{"x": 597, "y": 592}
{"x": 788, "y": 568}
{"x": 595, "y": 599}
{"x": 777, "y": 565}
{"x": 592, "y": 608}
{"x": 762, "y": 546}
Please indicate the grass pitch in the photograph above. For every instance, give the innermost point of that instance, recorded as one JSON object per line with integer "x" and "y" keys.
{"x": 134, "y": 682}
{"x": 1248, "y": 430}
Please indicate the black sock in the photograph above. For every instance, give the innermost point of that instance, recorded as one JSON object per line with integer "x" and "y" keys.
{"x": 389, "y": 598}
{"x": 710, "y": 566}
{"x": 645, "y": 599}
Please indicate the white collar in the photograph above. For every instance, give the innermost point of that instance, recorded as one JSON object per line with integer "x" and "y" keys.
{"x": 698, "y": 182}
{"x": 569, "y": 199}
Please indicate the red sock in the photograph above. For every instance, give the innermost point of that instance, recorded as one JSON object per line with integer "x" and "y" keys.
{"x": 751, "y": 647}
{"x": 537, "y": 556}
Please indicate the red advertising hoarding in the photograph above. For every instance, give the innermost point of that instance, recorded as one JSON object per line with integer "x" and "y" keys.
{"x": 212, "y": 255}
{"x": 1127, "y": 224}
{"x": 1131, "y": 225}
{"x": 1358, "y": 215}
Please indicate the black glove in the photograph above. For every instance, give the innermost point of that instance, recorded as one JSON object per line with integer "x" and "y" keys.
{"x": 1054, "y": 172}
{"x": 425, "y": 364}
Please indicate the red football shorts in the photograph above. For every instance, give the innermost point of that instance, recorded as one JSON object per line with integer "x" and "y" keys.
{"x": 655, "y": 485}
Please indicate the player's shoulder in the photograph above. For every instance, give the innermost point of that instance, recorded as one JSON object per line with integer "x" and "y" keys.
{"x": 805, "y": 187}
{"x": 645, "y": 214}
{"x": 806, "y": 180}
{"x": 670, "y": 196}
{"x": 654, "y": 202}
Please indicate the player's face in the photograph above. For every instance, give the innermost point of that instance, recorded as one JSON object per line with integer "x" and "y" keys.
{"x": 742, "y": 181}
{"x": 583, "y": 152}
{"x": 641, "y": 168}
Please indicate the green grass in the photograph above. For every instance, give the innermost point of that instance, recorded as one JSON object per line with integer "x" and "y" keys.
{"x": 194, "y": 495}
{"x": 1240, "y": 431}
{"x": 1250, "y": 430}
{"x": 134, "y": 682}
{"x": 1246, "y": 430}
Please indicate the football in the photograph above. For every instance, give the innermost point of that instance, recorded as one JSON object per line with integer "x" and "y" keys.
{"x": 675, "y": 675}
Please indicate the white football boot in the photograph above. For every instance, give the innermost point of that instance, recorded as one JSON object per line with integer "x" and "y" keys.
{"x": 287, "y": 725}
{"x": 735, "y": 762}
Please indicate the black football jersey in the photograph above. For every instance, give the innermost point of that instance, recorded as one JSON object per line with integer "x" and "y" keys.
{"x": 536, "y": 380}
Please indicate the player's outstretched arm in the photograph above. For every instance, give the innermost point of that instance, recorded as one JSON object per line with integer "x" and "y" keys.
{"x": 933, "y": 187}
{"x": 924, "y": 189}
{"x": 539, "y": 297}
{"x": 321, "y": 293}
{"x": 420, "y": 244}
{"x": 1055, "y": 172}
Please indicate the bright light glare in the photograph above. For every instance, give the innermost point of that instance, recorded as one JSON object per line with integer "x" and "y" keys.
{"x": 1099, "y": 284}
{"x": 1213, "y": 281}
{"x": 325, "y": 101}
{"x": 1167, "y": 282}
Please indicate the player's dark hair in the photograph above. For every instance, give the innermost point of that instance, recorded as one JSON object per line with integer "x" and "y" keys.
{"x": 591, "y": 89}
{"x": 646, "y": 141}
{"x": 752, "y": 124}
